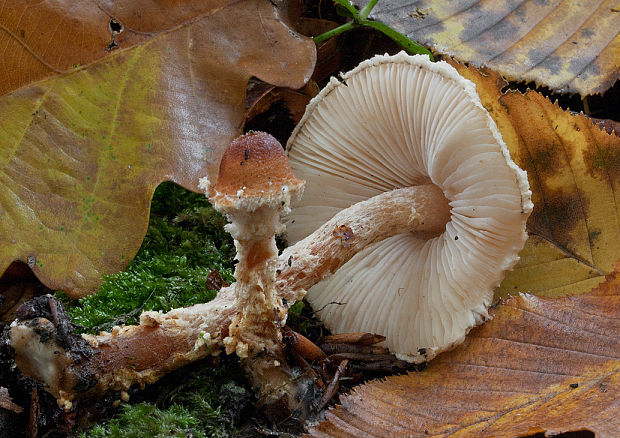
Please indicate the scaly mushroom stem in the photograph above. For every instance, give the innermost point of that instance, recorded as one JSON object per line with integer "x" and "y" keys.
{"x": 254, "y": 328}
{"x": 254, "y": 187}
{"x": 421, "y": 209}
{"x": 74, "y": 366}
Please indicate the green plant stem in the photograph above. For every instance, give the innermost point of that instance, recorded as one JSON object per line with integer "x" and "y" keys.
{"x": 361, "y": 19}
{"x": 365, "y": 12}
{"x": 346, "y": 4}
{"x": 405, "y": 42}
{"x": 333, "y": 32}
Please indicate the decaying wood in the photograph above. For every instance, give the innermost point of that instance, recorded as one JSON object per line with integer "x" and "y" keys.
{"x": 353, "y": 348}
{"x": 332, "y": 388}
{"x": 163, "y": 342}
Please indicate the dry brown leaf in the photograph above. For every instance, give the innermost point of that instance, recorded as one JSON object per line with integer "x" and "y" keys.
{"x": 541, "y": 365}
{"x": 82, "y": 152}
{"x": 574, "y": 173}
{"x": 265, "y": 95}
{"x": 571, "y": 47}
{"x": 608, "y": 125}
{"x": 6, "y": 402}
{"x": 50, "y": 38}
{"x": 328, "y": 59}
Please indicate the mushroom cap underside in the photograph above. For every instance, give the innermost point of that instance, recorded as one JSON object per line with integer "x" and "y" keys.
{"x": 393, "y": 122}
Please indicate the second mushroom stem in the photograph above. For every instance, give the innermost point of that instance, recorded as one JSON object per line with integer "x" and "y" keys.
{"x": 423, "y": 209}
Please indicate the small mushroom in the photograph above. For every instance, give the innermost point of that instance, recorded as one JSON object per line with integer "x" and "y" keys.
{"x": 401, "y": 121}
{"x": 254, "y": 187}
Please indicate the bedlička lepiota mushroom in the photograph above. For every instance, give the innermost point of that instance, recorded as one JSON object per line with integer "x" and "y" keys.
{"x": 255, "y": 187}
{"x": 396, "y": 122}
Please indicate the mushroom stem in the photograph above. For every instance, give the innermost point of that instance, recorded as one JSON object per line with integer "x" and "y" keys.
{"x": 74, "y": 366}
{"x": 421, "y": 209}
{"x": 253, "y": 328}
{"x": 254, "y": 187}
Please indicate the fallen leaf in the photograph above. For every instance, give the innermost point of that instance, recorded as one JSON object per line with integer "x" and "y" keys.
{"x": 215, "y": 281}
{"x": 50, "y": 38}
{"x": 6, "y": 402}
{"x": 571, "y": 47}
{"x": 13, "y": 297}
{"x": 541, "y": 365}
{"x": 607, "y": 125}
{"x": 329, "y": 55}
{"x": 82, "y": 152}
{"x": 574, "y": 173}
{"x": 266, "y": 95}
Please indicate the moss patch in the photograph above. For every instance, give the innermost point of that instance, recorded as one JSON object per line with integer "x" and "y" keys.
{"x": 145, "y": 419}
{"x": 198, "y": 401}
{"x": 184, "y": 243}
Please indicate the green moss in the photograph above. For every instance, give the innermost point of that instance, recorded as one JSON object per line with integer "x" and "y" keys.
{"x": 198, "y": 401}
{"x": 146, "y": 420}
{"x": 217, "y": 396}
{"x": 303, "y": 320}
{"x": 185, "y": 241}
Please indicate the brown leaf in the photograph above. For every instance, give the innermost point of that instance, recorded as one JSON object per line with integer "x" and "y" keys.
{"x": 608, "y": 125}
{"x": 574, "y": 173}
{"x": 82, "y": 152}
{"x": 17, "y": 285}
{"x": 541, "y": 365}
{"x": 215, "y": 281}
{"x": 6, "y": 401}
{"x": 51, "y": 38}
{"x": 264, "y": 95}
{"x": 329, "y": 52}
{"x": 571, "y": 47}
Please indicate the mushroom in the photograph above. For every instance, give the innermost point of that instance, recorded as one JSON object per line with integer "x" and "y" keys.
{"x": 395, "y": 122}
{"x": 254, "y": 187}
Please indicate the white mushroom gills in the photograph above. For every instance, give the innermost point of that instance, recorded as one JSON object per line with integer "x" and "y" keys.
{"x": 395, "y": 122}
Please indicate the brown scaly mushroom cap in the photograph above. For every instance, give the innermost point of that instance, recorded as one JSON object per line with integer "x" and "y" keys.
{"x": 395, "y": 122}
{"x": 254, "y": 172}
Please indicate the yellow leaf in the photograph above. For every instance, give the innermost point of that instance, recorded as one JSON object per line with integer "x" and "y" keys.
{"x": 574, "y": 173}
{"x": 82, "y": 152}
